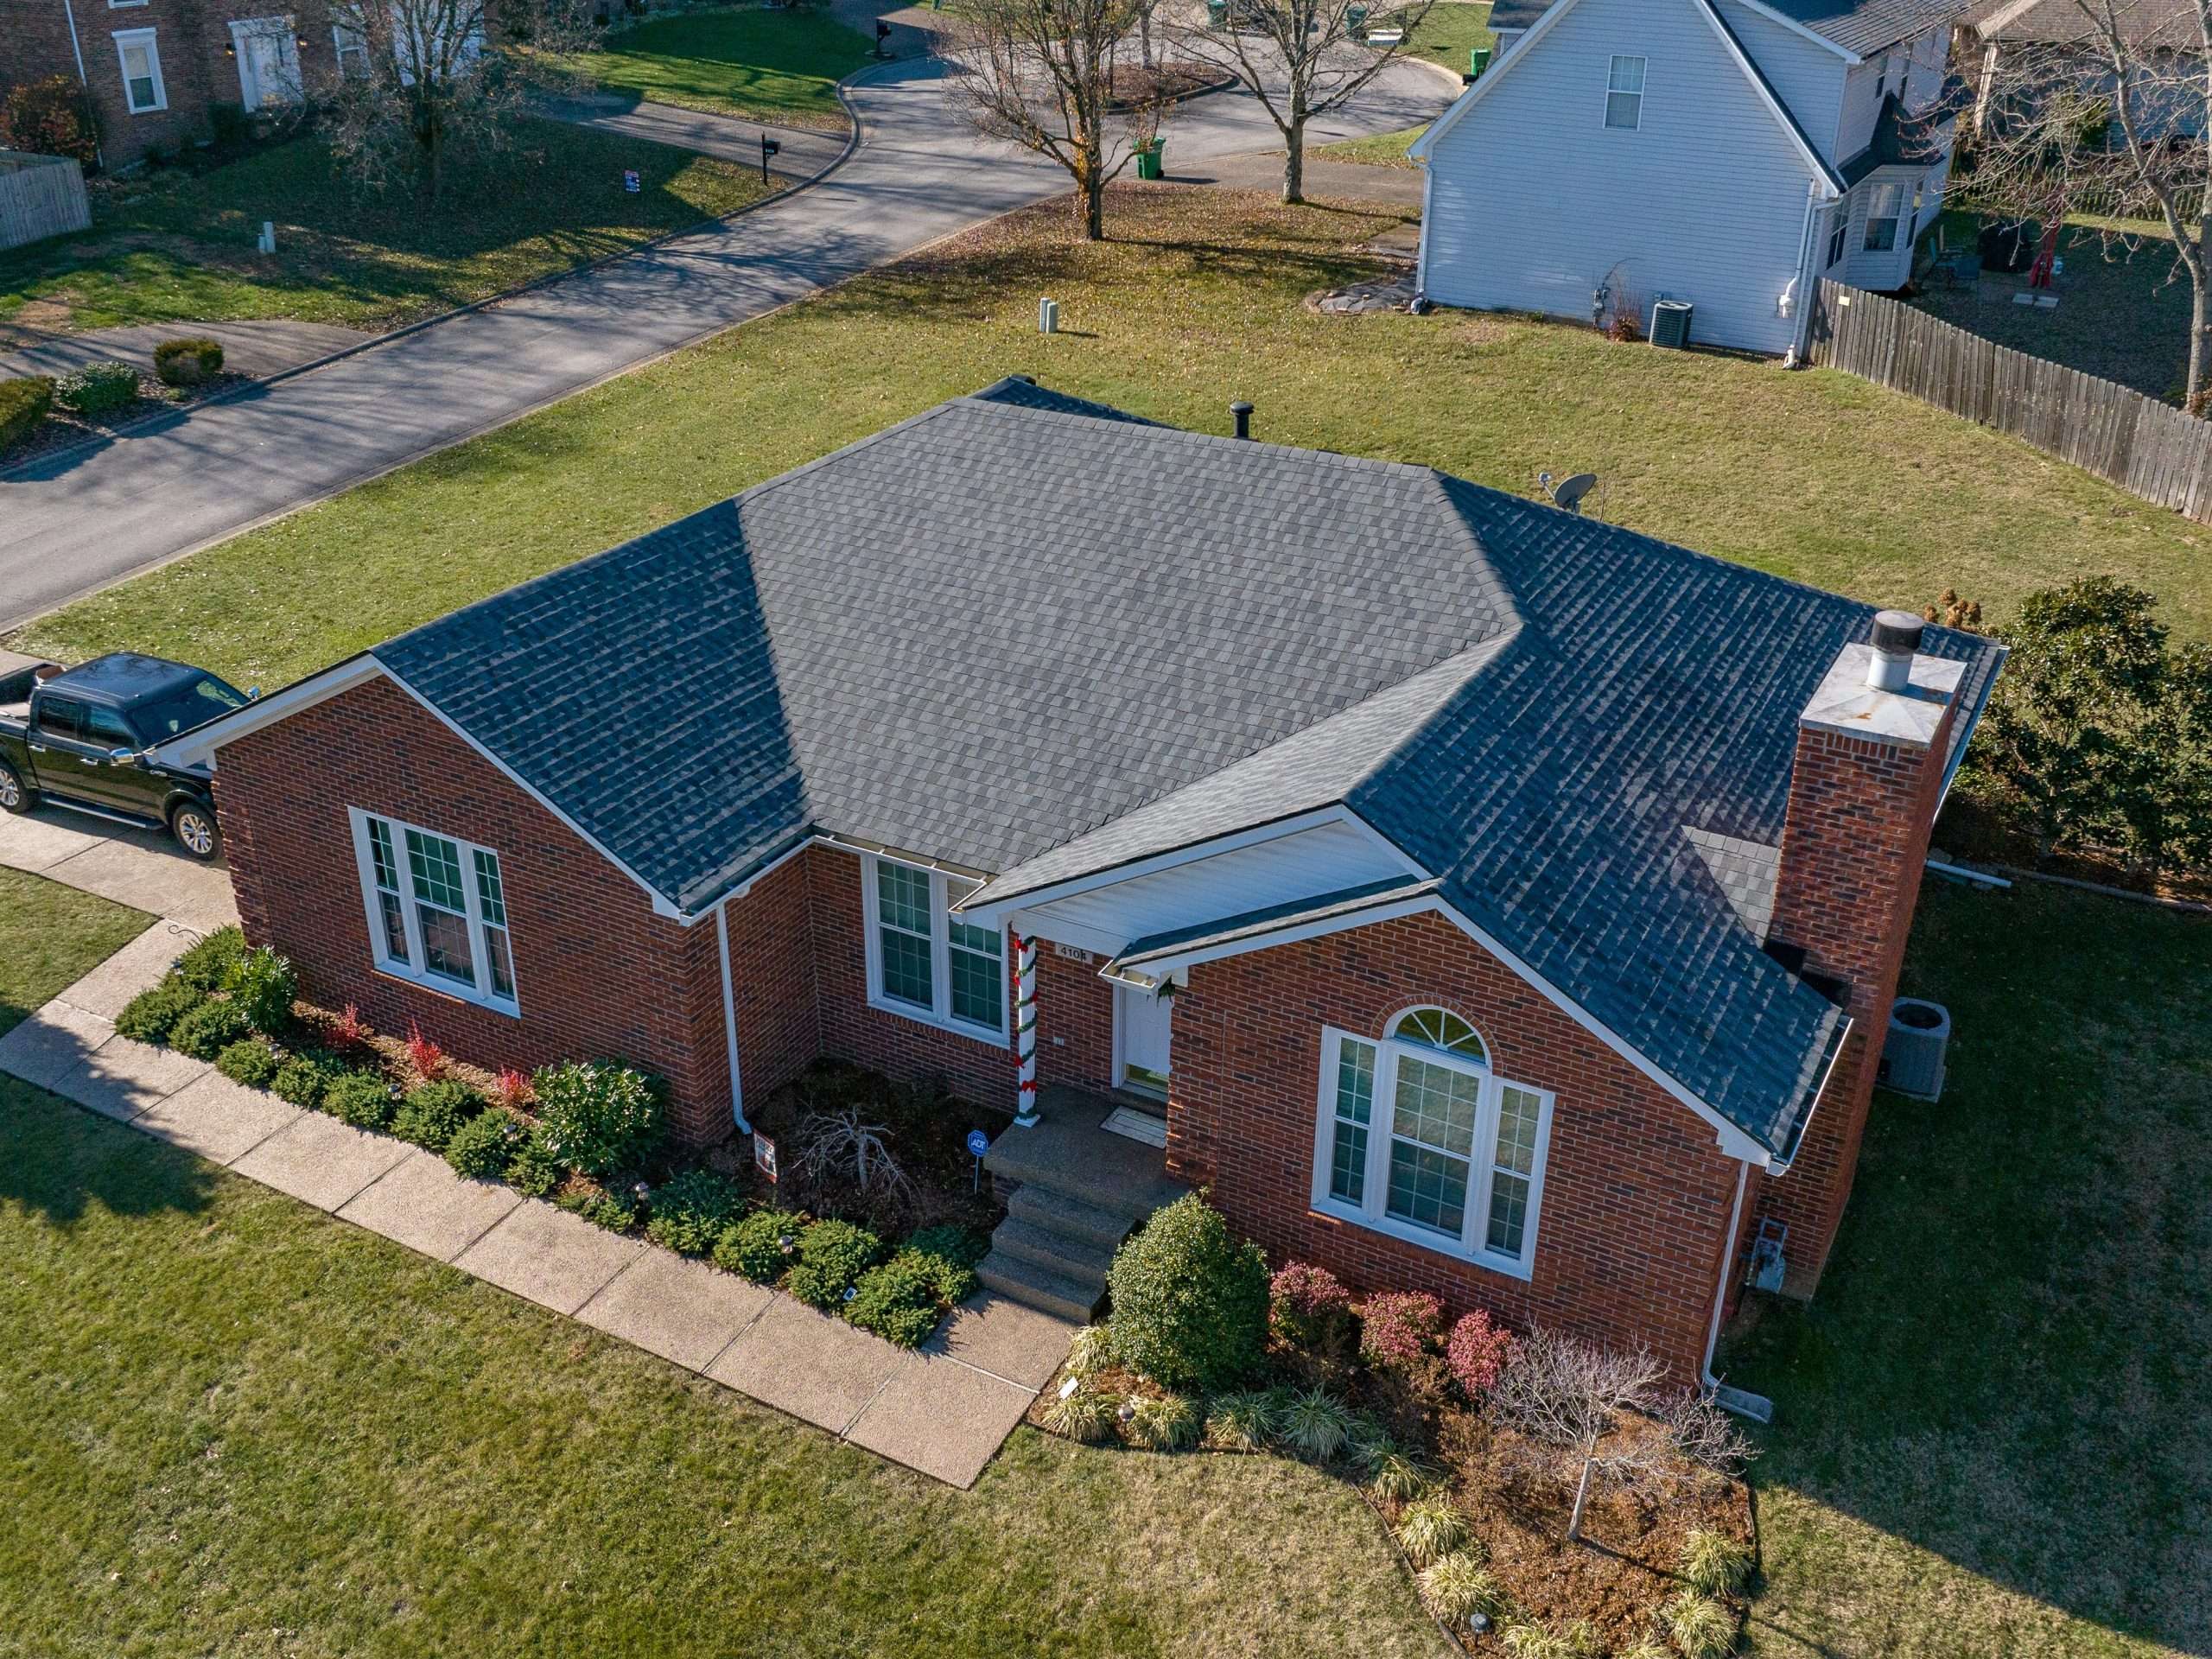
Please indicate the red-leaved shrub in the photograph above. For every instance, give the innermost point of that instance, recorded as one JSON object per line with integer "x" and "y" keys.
{"x": 1478, "y": 1353}
{"x": 348, "y": 1031}
{"x": 1310, "y": 1308}
{"x": 425, "y": 1056}
{"x": 513, "y": 1089}
{"x": 1399, "y": 1328}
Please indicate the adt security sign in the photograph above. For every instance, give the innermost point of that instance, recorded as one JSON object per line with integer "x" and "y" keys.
{"x": 978, "y": 1144}
{"x": 630, "y": 179}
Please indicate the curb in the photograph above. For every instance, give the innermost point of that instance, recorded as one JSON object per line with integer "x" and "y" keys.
{"x": 147, "y": 421}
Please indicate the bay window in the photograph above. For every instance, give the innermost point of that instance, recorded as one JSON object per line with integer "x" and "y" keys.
{"x": 437, "y": 910}
{"x": 1882, "y": 211}
{"x": 924, "y": 962}
{"x": 1418, "y": 1138}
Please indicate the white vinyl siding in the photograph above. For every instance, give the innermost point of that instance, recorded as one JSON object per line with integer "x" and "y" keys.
{"x": 922, "y": 961}
{"x": 1533, "y": 204}
{"x": 436, "y": 908}
{"x": 1806, "y": 76}
{"x": 140, "y": 59}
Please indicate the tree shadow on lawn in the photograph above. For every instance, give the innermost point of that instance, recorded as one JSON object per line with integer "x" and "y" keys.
{"x": 2005, "y": 1362}
{"x": 58, "y": 1159}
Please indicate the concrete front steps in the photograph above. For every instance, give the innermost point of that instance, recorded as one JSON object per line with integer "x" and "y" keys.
{"x": 1081, "y": 1190}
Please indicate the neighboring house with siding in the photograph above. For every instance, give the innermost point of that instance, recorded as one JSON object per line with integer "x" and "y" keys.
{"x": 1730, "y": 153}
{"x": 1474, "y": 897}
{"x": 2015, "y": 49}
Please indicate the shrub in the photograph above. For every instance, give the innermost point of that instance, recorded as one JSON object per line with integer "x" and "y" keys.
{"x": 513, "y": 1089}
{"x": 897, "y": 1300}
{"x": 1700, "y": 1626}
{"x": 1190, "y": 1302}
{"x": 1535, "y": 1642}
{"x": 208, "y": 1030}
{"x": 690, "y": 1210}
{"x": 24, "y": 405}
{"x": 262, "y": 986}
{"x": 763, "y": 1247}
{"x": 1430, "y": 1529}
{"x": 206, "y": 966}
{"x": 361, "y": 1098}
{"x": 952, "y": 1252}
{"x": 1161, "y": 1422}
{"x": 1311, "y": 1309}
{"x": 425, "y": 1056}
{"x": 1089, "y": 1349}
{"x": 433, "y": 1113}
{"x": 534, "y": 1170}
{"x": 1397, "y": 1477}
{"x": 1085, "y": 1415}
{"x": 349, "y": 1032}
{"x": 1478, "y": 1353}
{"x": 616, "y": 1209}
{"x": 1313, "y": 1425}
{"x": 97, "y": 389}
{"x": 188, "y": 362}
{"x": 483, "y": 1148}
{"x": 598, "y": 1115}
{"x": 302, "y": 1077}
{"x": 51, "y": 117}
{"x": 1241, "y": 1422}
{"x": 1714, "y": 1564}
{"x": 249, "y": 1061}
{"x": 151, "y": 1015}
{"x": 1457, "y": 1586}
{"x": 832, "y": 1255}
{"x": 1399, "y": 1328}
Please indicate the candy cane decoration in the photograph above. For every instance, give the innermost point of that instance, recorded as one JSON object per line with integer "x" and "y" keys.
{"x": 1025, "y": 1028}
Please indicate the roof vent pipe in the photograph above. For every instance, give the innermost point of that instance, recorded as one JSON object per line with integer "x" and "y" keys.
{"x": 1242, "y": 411}
{"x": 1897, "y": 637}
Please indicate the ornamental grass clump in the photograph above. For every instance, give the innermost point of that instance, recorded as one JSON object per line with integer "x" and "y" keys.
{"x": 1535, "y": 1642}
{"x": 1430, "y": 1529}
{"x": 1458, "y": 1585}
{"x": 1086, "y": 1415}
{"x": 1397, "y": 1477}
{"x": 1161, "y": 1422}
{"x": 1699, "y": 1627}
{"x": 1714, "y": 1564}
{"x": 690, "y": 1210}
{"x": 481, "y": 1148}
{"x": 1309, "y": 1308}
{"x": 433, "y": 1113}
{"x": 1190, "y": 1300}
{"x": 249, "y": 1061}
{"x": 1091, "y": 1349}
{"x": 832, "y": 1255}
{"x": 597, "y": 1116}
{"x": 1244, "y": 1422}
{"x": 1313, "y": 1425}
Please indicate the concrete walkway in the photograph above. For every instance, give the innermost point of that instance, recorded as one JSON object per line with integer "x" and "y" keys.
{"x": 73, "y": 523}
{"x": 143, "y": 869}
{"x": 256, "y": 348}
{"x": 943, "y": 1409}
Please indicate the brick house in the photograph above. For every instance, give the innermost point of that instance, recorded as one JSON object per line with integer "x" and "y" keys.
{"x": 152, "y": 69}
{"x": 1474, "y": 897}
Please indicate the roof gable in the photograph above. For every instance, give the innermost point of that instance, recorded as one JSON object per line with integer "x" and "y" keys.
{"x": 1855, "y": 29}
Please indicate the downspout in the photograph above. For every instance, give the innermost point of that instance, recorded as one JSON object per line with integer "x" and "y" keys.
{"x": 77, "y": 52}
{"x": 1727, "y": 1266}
{"x": 1804, "y": 282}
{"x": 729, "y": 1022}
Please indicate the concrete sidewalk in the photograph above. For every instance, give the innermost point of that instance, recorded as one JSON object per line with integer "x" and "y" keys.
{"x": 143, "y": 869}
{"x": 805, "y": 152}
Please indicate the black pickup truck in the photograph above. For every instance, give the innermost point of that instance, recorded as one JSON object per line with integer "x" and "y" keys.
{"x": 83, "y": 739}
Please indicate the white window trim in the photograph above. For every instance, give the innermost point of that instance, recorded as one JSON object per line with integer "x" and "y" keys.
{"x": 1895, "y": 217}
{"x": 344, "y": 40}
{"x": 126, "y": 38}
{"x": 413, "y": 972}
{"x": 940, "y": 1014}
{"x": 1482, "y": 1166}
{"x": 1642, "y": 86}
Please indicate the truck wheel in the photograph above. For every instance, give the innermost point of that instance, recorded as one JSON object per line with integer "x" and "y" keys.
{"x": 15, "y": 795}
{"x": 193, "y": 826}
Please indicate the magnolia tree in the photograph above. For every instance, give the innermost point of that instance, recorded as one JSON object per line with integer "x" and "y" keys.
{"x": 1300, "y": 58}
{"x": 426, "y": 82}
{"x": 1042, "y": 73}
{"x": 2113, "y": 121}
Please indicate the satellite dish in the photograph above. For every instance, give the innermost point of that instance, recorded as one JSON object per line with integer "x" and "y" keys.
{"x": 1568, "y": 494}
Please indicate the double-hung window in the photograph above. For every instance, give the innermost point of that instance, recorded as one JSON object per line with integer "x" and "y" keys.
{"x": 143, "y": 92}
{"x": 437, "y": 910}
{"x": 1624, "y": 94}
{"x": 1882, "y": 211}
{"x": 1418, "y": 1138}
{"x": 1839, "y": 234}
{"x": 923, "y": 961}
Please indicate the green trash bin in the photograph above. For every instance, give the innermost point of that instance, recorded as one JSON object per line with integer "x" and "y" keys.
{"x": 1354, "y": 17}
{"x": 1149, "y": 159}
{"x": 1478, "y": 60}
{"x": 1217, "y": 13}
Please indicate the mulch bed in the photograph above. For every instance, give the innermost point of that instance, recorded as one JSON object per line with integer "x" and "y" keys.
{"x": 62, "y": 427}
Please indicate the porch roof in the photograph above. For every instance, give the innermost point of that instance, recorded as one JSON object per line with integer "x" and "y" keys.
{"x": 1256, "y": 925}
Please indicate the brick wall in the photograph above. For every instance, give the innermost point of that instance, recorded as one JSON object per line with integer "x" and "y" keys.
{"x": 1075, "y": 1021}
{"x": 1637, "y": 1192}
{"x": 1853, "y": 843}
{"x": 596, "y": 972}
{"x": 772, "y": 980}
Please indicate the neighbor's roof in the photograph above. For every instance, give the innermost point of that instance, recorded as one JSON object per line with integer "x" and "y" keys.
{"x": 2163, "y": 23}
{"x": 1859, "y": 28}
{"x": 1020, "y": 633}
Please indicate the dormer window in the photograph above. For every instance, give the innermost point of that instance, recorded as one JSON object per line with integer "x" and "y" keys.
{"x": 1624, "y": 94}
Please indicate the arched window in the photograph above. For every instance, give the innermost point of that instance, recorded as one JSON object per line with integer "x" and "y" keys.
{"x": 1440, "y": 1028}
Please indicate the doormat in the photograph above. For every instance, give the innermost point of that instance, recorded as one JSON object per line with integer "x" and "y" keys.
{"x": 1136, "y": 1125}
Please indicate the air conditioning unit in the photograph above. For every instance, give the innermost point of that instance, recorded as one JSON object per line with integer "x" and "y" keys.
{"x": 1912, "y": 1055}
{"x": 1670, "y": 324}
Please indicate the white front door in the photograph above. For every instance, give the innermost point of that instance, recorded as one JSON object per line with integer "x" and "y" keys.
{"x": 269, "y": 61}
{"x": 1142, "y": 1033}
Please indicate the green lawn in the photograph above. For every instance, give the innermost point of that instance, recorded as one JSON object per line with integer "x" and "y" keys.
{"x": 238, "y": 1427}
{"x": 1197, "y": 304}
{"x": 1450, "y": 30}
{"x": 51, "y": 937}
{"x": 1381, "y": 149}
{"x": 774, "y": 65}
{"x": 175, "y": 247}
{"x": 1990, "y": 1436}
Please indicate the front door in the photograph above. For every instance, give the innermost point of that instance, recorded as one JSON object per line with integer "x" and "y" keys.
{"x": 269, "y": 61}
{"x": 1143, "y": 1030}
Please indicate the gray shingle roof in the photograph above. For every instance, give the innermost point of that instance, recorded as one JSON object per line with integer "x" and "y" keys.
{"x": 1860, "y": 27}
{"x": 1016, "y": 632}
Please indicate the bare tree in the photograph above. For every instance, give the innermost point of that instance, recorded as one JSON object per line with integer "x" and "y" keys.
{"x": 1572, "y": 1394}
{"x": 1300, "y": 59}
{"x": 2111, "y": 118}
{"x": 1041, "y": 73}
{"x": 425, "y": 80}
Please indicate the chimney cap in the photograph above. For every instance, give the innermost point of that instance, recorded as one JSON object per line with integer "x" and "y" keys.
{"x": 1898, "y": 631}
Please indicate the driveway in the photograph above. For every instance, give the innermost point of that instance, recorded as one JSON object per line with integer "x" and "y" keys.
{"x": 72, "y": 522}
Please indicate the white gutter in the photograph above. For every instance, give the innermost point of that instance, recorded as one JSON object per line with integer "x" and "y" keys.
{"x": 1803, "y": 283}
{"x": 729, "y": 1025}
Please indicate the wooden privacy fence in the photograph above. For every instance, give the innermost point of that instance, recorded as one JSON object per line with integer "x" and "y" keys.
{"x": 40, "y": 196}
{"x": 2149, "y": 448}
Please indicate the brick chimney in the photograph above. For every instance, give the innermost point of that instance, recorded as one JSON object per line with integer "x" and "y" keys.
{"x": 1863, "y": 790}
